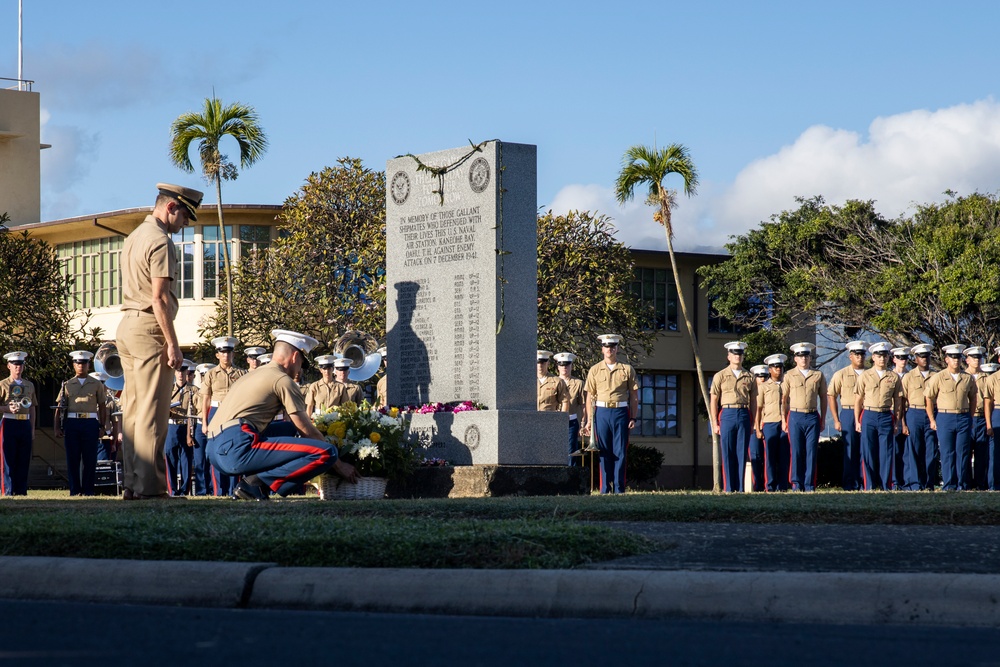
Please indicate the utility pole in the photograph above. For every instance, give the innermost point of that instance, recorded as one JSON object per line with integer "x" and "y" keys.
{"x": 20, "y": 44}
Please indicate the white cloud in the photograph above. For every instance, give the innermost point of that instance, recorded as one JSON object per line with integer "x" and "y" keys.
{"x": 906, "y": 159}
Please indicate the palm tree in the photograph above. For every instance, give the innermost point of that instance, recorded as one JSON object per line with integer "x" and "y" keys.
{"x": 644, "y": 166}
{"x": 216, "y": 121}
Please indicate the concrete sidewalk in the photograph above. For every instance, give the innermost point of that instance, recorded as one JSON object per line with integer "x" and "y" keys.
{"x": 822, "y": 574}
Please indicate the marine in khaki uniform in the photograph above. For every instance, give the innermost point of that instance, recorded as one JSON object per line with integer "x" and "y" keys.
{"x": 991, "y": 392}
{"x": 613, "y": 398}
{"x": 577, "y": 403}
{"x": 920, "y": 453}
{"x": 900, "y": 361}
{"x": 347, "y": 392}
{"x": 768, "y": 425}
{"x": 253, "y": 357}
{"x": 553, "y": 396}
{"x": 980, "y": 462}
{"x": 842, "y": 389}
{"x": 322, "y": 393}
{"x": 201, "y": 469}
{"x": 147, "y": 341}
{"x": 802, "y": 389}
{"x": 733, "y": 399}
{"x": 81, "y": 406}
{"x": 950, "y": 400}
{"x": 280, "y": 464}
{"x": 18, "y": 411}
{"x": 178, "y": 450}
{"x": 214, "y": 389}
{"x": 878, "y": 405}
{"x": 382, "y": 388}
{"x": 756, "y": 449}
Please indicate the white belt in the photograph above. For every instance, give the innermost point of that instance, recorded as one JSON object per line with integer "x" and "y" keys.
{"x": 176, "y": 422}
{"x": 22, "y": 418}
{"x": 82, "y": 415}
{"x": 215, "y": 404}
{"x": 572, "y": 418}
{"x": 612, "y": 404}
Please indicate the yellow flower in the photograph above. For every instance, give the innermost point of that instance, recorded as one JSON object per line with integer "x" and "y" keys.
{"x": 374, "y": 437}
{"x": 393, "y": 412}
{"x": 339, "y": 429}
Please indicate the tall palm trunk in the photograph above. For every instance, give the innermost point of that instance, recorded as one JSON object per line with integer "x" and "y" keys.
{"x": 665, "y": 219}
{"x": 225, "y": 257}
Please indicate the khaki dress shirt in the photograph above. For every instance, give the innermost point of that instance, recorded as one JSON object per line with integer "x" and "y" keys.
{"x": 82, "y": 397}
{"x": 148, "y": 253}
{"x": 552, "y": 394}
{"x": 913, "y": 388}
{"x": 803, "y": 390}
{"x": 15, "y": 392}
{"x": 769, "y": 399}
{"x": 608, "y": 385}
{"x": 733, "y": 390}
{"x": 948, "y": 394}
{"x": 842, "y": 386}
{"x": 219, "y": 381}
{"x": 258, "y": 397}
{"x": 878, "y": 394}
{"x": 577, "y": 404}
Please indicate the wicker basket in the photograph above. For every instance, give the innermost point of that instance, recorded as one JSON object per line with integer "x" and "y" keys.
{"x": 332, "y": 487}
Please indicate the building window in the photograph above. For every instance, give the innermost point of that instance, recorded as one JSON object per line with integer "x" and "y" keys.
{"x": 254, "y": 238}
{"x": 659, "y": 406}
{"x": 184, "y": 243}
{"x": 719, "y": 324}
{"x": 656, "y": 289}
{"x": 214, "y": 259}
{"x": 93, "y": 266}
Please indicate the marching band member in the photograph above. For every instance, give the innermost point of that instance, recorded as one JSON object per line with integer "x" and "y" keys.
{"x": 552, "y": 393}
{"x": 757, "y": 477}
{"x": 253, "y": 357}
{"x": 382, "y": 388}
{"x": 950, "y": 400}
{"x": 321, "y": 393}
{"x": 18, "y": 409}
{"x": 349, "y": 391}
{"x": 178, "y": 449}
{"x": 81, "y": 406}
{"x": 201, "y": 469}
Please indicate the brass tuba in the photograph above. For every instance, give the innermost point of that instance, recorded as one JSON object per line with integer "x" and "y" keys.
{"x": 362, "y": 350}
{"x": 107, "y": 361}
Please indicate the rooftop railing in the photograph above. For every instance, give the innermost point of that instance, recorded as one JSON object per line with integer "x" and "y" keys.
{"x": 20, "y": 84}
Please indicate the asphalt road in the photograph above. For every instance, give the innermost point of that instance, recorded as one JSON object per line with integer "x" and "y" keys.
{"x": 52, "y": 634}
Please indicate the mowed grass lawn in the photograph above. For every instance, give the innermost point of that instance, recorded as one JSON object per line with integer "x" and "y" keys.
{"x": 530, "y": 532}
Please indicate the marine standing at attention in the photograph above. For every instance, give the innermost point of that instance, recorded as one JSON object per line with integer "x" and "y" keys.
{"x": 18, "y": 409}
{"x": 86, "y": 404}
{"x": 553, "y": 396}
{"x": 147, "y": 341}
{"x": 733, "y": 400}
{"x": 878, "y": 404}
{"x": 921, "y": 440}
{"x": 950, "y": 400}
{"x": 801, "y": 391}
{"x": 612, "y": 387}
{"x": 577, "y": 402}
{"x": 769, "y": 403}
{"x": 842, "y": 388}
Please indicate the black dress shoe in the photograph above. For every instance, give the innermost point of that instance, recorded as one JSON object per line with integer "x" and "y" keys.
{"x": 251, "y": 488}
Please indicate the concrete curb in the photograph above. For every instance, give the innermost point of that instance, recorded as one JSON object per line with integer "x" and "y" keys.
{"x": 194, "y": 584}
{"x": 860, "y": 598}
{"x": 803, "y": 597}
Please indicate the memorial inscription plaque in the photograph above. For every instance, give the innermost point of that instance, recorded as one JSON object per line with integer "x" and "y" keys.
{"x": 461, "y": 257}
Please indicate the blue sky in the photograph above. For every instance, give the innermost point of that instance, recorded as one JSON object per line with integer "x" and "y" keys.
{"x": 892, "y": 101}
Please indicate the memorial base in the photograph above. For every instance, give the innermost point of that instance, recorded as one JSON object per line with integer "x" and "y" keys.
{"x": 494, "y": 437}
{"x": 491, "y": 481}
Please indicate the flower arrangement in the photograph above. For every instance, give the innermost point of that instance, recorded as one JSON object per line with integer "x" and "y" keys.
{"x": 372, "y": 440}
{"x": 459, "y": 406}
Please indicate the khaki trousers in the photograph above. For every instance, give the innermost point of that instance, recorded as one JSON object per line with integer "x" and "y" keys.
{"x": 145, "y": 402}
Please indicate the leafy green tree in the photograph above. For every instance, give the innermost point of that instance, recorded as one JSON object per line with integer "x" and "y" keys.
{"x": 585, "y": 288}
{"x": 208, "y": 128}
{"x": 933, "y": 277}
{"x": 35, "y": 313}
{"x": 326, "y": 274}
{"x": 643, "y": 166}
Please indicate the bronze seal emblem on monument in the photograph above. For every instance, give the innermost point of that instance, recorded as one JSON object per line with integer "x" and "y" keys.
{"x": 479, "y": 174}
{"x": 400, "y": 187}
{"x": 472, "y": 436}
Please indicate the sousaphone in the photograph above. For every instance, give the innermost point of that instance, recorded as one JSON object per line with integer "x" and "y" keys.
{"x": 362, "y": 350}
{"x": 107, "y": 361}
